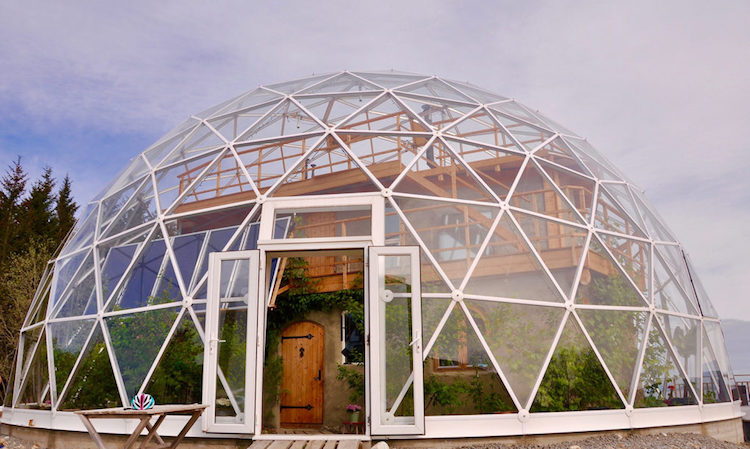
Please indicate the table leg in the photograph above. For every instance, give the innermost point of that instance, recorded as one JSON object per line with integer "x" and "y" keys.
{"x": 152, "y": 432}
{"x": 193, "y": 419}
{"x": 138, "y": 429}
{"x": 92, "y": 431}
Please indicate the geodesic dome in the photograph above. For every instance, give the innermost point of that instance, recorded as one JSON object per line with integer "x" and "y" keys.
{"x": 542, "y": 267}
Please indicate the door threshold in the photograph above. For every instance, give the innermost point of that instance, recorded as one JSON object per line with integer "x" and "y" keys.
{"x": 302, "y": 436}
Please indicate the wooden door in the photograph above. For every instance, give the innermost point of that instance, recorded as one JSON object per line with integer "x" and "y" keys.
{"x": 302, "y": 347}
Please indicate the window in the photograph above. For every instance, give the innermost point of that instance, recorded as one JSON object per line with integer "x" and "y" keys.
{"x": 352, "y": 339}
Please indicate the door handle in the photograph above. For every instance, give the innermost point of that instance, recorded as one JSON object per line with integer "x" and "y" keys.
{"x": 320, "y": 376}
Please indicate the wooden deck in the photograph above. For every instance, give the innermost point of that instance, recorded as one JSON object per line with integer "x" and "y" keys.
{"x": 310, "y": 444}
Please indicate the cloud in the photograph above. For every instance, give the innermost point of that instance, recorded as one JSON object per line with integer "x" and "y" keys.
{"x": 660, "y": 88}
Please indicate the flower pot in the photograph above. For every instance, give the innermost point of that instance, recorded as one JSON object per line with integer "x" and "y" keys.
{"x": 353, "y": 416}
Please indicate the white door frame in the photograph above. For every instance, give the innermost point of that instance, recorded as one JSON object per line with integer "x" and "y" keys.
{"x": 210, "y": 357}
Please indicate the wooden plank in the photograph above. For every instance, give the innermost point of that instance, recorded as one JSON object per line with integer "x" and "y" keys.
{"x": 315, "y": 444}
{"x": 348, "y": 444}
{"x": 260, "y": 444}
{"x": 280, "y": 444}
{"x": 299, "y": 444}
{"x": 330, "y": 444}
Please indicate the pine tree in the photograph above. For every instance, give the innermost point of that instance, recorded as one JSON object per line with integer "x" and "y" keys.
{"x": 12, "y": 188}
{"x": 38, "y": 220}
{"x": 65, "y": 210}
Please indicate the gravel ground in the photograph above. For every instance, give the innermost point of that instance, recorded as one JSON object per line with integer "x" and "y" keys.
{"x": 634, "y": 441}
{"x": 7, "y": 442}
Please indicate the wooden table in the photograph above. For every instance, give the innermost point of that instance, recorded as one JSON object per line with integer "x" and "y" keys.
{"x": 161, "y": 411}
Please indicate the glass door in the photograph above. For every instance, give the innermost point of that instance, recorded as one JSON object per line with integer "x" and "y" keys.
{"x": 397, "y": 405}
{"x": 230, "y": 354}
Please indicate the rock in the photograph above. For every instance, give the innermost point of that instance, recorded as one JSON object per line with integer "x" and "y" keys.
{"x": 574, "y": 447}
{"x": 381, "y": 445}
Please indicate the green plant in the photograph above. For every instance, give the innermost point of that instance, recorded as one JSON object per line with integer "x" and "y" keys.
{"x": 354, "y": 380}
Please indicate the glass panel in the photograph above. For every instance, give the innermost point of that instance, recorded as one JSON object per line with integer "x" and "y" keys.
{"x": 385, "y": 114}
{"x": 476, "y": 93}
{"x": 438, "y": 173}
{"x": 80, "y": 297}
{"x": 528, "y": 135}
{"x": 253, "y": 98}
{"x": 435, "y": 112}
{"x": 575, "y": 380}
{"x": 520, "y": 337}
{"x": 634, "y": 256}
{"x": 595, "y": 162}
{"x": 433, "y": 310}
{"x": 157, "y": 152}
{"x": 684, "y": 333}
{"x": 603, "y": 283}
{"x": 661, "y": 383}
{"x": 173, "y": 181}
{"x": 284, "y": 120}
{"x": 136, "y": 355}
{"x": 714, "y": 385}
{"x": 343, "y": 82}
{"x": 231, "y": 349}
{"x": 497, "y": 168}
{"x": 707, "y": 309}
{"x": 113, "y": 205}
{"x": 509, "y": 269}
{"x": 83, "y": 236}
{"x": 536, "y": 193}
{"x": 558, "y": 152}
{"x": 232, "y": 126}
{"x": 577, "y": 189}
{"x": 434, "y": 87}
{"x": 200, "y": 140}
{"x": 384, "y": 156}
{"x": 93, "y": 384}
{"x": 34, "y": 392}
{"x": 517, "y": 110}
{"x": 675, "y": 262}
{"x": 114, "y": 257}
{"x": 453, "y": 232}
{"x": 621, "y": 194}
{"x": 290, "y": 87}
{"x": 459, "y": 377}
{"x": 268, "y": 162}
{"x": 618, "y": 336}
{"x": 328, "y": 169}
{"x": 68, "y": 338}
{"x": 344, "y": 221}
{"x": 141, "y": 208}
{"x": 667, "y": 294}
{"x": 656, "y": 227}
{"x": 611, "y": 217}
{"x": 560, "y": 246}
{"x": 482, "y": 127}
{"x": 65, "y": 270}
{"x": 390, "y": 80}
{"x": 716, "y": 340}
{"x": 332, "y": 109}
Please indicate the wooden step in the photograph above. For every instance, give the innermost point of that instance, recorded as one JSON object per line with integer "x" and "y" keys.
{"x": 306, "y": 444}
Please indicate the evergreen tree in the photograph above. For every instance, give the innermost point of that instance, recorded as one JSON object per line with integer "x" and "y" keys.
{"x": 65, "y": 210}
{"x": 38, "y": 219}
{"x": 12, "y": 188}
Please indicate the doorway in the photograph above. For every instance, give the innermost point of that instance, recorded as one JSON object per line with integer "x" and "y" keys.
{"x": 302, "y": 381}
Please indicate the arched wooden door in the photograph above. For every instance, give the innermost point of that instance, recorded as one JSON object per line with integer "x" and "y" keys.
{"x": 302, "y": 346}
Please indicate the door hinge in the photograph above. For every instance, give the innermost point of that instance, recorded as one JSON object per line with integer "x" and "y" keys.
{"x": 367, "y": 340}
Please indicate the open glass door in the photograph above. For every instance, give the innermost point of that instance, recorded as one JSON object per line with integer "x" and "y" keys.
{"x": 230, "y": 354}
{"x": 397, "y": 400}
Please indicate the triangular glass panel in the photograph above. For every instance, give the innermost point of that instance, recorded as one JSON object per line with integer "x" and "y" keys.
{"x": 267, "y": 162}
{"x": 30, "y": 339}
{"x": 397, "y": 234}
{"x": 68, "y": 338}
{"x": 508, "y": 268}
{"x": 634, "y": 257}
{"x": 603, "y": 282}
{"x": 33, "y": 392}
{"x": 560, "y": 246}
{"x": 529, "y": 136}
{"x": 140, "y": 209}
{"x": 80, "y": 296}
{"x": 187, "y": 249}
{"x": 621, "y": 194}
{"x": 536, "y": 193}
{"x": 202, "y": 140}
{"x": 200, "y": 313}
{"x": 685, "y": 335}
{"x": 10, "y": 385}
{"x": 434, "y": 87}
{"x": 219, "y": 108}
{"x": 438, "y": 173}
{"x": 115, "y": 203}
{"x": 343, "y": 82}
{"x": 390, "y": 80}
{"x": 513, "y": 109}
{"x": 179, "y": 374}
{"x": 385, "y": 156}
{"x": 93, "y": 384}
{"x": 136, "y": 355}
{"x": 579, "y": 190}
{"x": 618, "y": 336}
{"x": 141, "y": 287}
{"x": 707, "y": 309}
{"x": 171, "y": 182}
{"x": 435, "y": 112}
{"x": 675, "y": 262}
{"x": 83, "y": 236}
{"x": 516, "y": 332}
{"x": 284, "y": 120}
{"x": 459, "y": 375}
{"x": 160, "y": 150}
{"x": 256, "y": 97}
{"x": 290, "y": 87}
{"x": 39, "y": 303}
{"x": 715, "y": 338}
{"x": 575, "y": 379}
{"x": 497, "y": 168}
{"x": 661, "y": 383}
{"x": 135, "y": 170}
{"x": 224, "y": 183}
{"x": 714, "y": 387}
{"x": 476, "y": 93}
{"x": 332, "y": 109}
{"x": 433, "y": 310}
{"x": 385, "y": 114}
{"x": 329, "y": 169}
{"x": 65, "y": 270}
{"x": 231, "y": 126}
{"x": 481, "y": 127}
{"x": 603, "y": 172}
{"x": 558, "y": 152}
{"x": 453, "y": 232}
{"x": 668, "y": 295}
{"x": 114, "y": 257}
{"x": 40, "y": 314}
{"x": 554, "y": 125}
{"x": 611, "y": 217}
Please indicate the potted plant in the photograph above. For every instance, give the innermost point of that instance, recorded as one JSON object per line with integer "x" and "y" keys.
{"x": 353, "y": 410}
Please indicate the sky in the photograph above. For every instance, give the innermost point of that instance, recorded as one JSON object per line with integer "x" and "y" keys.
{"x": 662, "y": 89}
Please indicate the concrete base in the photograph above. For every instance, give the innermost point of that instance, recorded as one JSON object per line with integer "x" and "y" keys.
{"x": 728, "y": 430}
